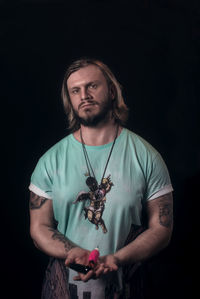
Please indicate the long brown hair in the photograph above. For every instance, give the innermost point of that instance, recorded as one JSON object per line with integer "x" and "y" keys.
{"x": 120, "y": 110}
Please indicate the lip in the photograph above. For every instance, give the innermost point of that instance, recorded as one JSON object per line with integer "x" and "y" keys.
{"x": 87, "y": 105}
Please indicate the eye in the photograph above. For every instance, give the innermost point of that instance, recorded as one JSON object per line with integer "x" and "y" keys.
{"x": 74, "y": 91}
{"x": 93, "y": 86}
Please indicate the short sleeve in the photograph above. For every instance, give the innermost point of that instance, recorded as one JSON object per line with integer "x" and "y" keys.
{"x": 41, "y": 179}
{"x": 158, "y": 179}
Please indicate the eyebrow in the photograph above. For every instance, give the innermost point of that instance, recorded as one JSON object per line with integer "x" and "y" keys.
{"x": 87, "y": 84}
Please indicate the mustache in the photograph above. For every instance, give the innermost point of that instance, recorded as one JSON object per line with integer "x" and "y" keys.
{"x": 87, "y": 102}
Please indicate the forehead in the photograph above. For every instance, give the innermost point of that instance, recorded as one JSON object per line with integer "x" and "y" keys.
{"x": 84, "y": 75}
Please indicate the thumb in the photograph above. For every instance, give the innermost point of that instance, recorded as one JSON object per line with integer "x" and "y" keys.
{"x": 69, "y": 261}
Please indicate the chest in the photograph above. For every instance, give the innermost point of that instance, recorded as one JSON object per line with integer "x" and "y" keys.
{"x": 125, "y": 180}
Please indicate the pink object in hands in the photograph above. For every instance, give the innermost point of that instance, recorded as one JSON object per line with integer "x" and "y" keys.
{"x": 94, "y": 255}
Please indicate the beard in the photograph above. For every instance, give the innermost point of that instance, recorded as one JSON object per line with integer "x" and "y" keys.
{"x": 92, "y": 119}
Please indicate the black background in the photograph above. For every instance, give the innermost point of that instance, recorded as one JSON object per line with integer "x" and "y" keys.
{"x": 153, "y": 47}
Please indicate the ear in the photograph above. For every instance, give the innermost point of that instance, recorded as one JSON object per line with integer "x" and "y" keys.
{"x": 112, "y": 91}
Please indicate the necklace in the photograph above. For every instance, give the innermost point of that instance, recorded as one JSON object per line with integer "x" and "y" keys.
{"x": 91, "y": 180}
{"x": 97, "y": 193}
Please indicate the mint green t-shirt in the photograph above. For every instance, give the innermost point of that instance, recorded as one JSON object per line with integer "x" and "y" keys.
{"x": 136, "y": 170}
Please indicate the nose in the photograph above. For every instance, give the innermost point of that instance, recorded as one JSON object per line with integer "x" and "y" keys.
{"x": 85, "y": 94}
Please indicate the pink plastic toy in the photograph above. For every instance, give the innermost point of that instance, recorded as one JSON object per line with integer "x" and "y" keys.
{"x": 93, "y": 257}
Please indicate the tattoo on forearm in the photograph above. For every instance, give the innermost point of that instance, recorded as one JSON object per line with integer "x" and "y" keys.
{"x": 36, "y": 201}
{"x": 60, "y": 237}
{"x": 165, "y": 212}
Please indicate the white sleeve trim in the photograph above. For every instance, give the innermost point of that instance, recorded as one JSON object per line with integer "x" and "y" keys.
{"x": 162, "y": 191}
{"x": 38, "y": 191}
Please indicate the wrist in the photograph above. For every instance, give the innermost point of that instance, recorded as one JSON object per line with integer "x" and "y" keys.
{"x": 117, "y": 260}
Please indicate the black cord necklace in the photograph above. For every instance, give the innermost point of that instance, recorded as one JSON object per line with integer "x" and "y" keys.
{"x": 91, "y": 180}
{"x": 97, "y": 193}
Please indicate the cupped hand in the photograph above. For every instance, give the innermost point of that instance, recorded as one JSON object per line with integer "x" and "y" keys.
{"x": 105, "y": 264}
{"x": 79, "y": 256}
{"x": 110, "y": 262}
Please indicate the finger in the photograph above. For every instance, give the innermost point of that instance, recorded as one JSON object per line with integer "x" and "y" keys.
{"x": 105, "y": 271}
{"x": 86, "y": 277}
{"x": 112, "y": 267}
{"x": 69, "y": 261}
{"x": 77, "y": 278}
{"x": 100, "y": 270}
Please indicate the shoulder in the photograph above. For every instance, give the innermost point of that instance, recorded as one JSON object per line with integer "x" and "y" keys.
{"x": 139, "y": 145}
{"x": 57, "y": 150}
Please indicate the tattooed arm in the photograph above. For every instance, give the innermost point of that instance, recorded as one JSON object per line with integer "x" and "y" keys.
{"x": 42, "y": 228}
{"x": 157, "y": 235}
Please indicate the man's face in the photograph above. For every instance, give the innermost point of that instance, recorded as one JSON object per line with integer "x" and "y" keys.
{"x": 90, "y": 96}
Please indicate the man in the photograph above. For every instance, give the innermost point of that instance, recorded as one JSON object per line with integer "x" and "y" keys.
{"x": 95, "y": 184}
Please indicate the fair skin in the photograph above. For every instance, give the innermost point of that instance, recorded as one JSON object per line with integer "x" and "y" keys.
{"x": 88, "y": 89}
{"x": 89, "y": 92}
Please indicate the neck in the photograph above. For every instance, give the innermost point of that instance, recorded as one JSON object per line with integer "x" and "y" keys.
{"x": 98, "y": 135}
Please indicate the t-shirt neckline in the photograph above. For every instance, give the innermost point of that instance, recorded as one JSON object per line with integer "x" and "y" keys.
{"x": 97, "y": 146}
